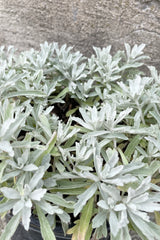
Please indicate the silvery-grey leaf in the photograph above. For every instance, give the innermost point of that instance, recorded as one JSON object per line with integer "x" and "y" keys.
{"x": 148, "y": 206}
{"x": 6, "y": 147}
{"x": 6, "y": 206}
{"x": 89, "y": 175}
{"x": 114, "y": 171}
{"x": 28, "y": 203}
{"x": 50, "y": 182}
{"x": 102, "y": 204}
{"x": 99, "y": 219}
{"x": 120, "y": 207}
{"x": 122, "y": 234}
{"x": 18, "y": 206}
{"x": 98, "y": 162}
{"x": 65, "y": 217}
{"x": 24, "y": 189}
{"x": 10, "y": 193}
{"x": 132, "y": 209}
{"x": 84, "y": 197}
{"x": 113, "y": 223}
{"x": 122, "y": 115}
{"x": 141, "y": 198}
{"x": 121, "y": 180}
{"x": 112, "y": 157}
{"x": 144, "y": 186}
{"x": 124, "y": 221}
{"x": 10, "y": 175}
{"x": 30, "y": 167}
{"x": 137, "y": 50}
{"x": 26, "y": 214}
{"x": 129, "y": 168}
{"x": 48, "y": 208}
{"x": 36, "y": 177}
{"x": 111, "y": 191}
{"x": 84, "y": 168}
{"x": 38, "y": 194}
{"x": 11, "y": 227}
{"x": 145, "y": 227}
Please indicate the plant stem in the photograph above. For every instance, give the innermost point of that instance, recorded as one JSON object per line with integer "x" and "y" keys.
{"x": 141, "y": 113}
{"x": 114, "y": 143}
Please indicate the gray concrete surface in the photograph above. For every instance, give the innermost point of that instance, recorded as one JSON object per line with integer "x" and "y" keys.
{"x": 82, "y": 23}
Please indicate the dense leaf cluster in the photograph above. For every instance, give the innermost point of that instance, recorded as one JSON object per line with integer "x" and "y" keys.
{"x": 79, "y": 137}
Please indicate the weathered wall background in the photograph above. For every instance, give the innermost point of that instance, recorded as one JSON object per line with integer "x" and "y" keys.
{"x": 83, "y": 23}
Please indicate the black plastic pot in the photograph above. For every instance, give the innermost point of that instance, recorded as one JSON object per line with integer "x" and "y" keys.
{"x": 34, "y": 231}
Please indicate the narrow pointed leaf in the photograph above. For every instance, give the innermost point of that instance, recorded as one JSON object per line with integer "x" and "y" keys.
{"x": 49, "y": 147}
{"x": 45, "y": 227}
{"x": 131, "y": 146}
{"x": 31, "y": 93}
{"x": 6, "y": 206}
{"x": 84, "y": 197}
{"x": 11, "y": 227}
{"x": 85, "y": 218}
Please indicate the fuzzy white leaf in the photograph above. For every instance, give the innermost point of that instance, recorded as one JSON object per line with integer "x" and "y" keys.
{"x": 6, "y": 147}
{"x": 11, "y": 227}
{"x": 65, "y": 218}
{"x": 26, "y": 214}
{"x": 122, "y": 115}
{"x": 84, "y": 197}
{"x": 36, "y": 177}
{"x": 10, "y": 193}
{"x": 114, "y": 223}
{"x": 38, "y": 194}
{"x": 4, "y": 207}
{"x": 18, "y": 207}
{"x": 99, "y": 219}
{"x": 150, "y": 230}
{"x": 111, "y": 191}
{"x": 30, "y": 167}
{"x": 48, "y": 208}
{"x": 102, "y": 204}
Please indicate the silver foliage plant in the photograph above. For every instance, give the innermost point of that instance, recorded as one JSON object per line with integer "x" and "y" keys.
{"x": 79, "y": 139}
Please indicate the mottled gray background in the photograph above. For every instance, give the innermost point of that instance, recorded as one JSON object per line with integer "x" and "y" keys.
{"x": 82, "y": 23}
